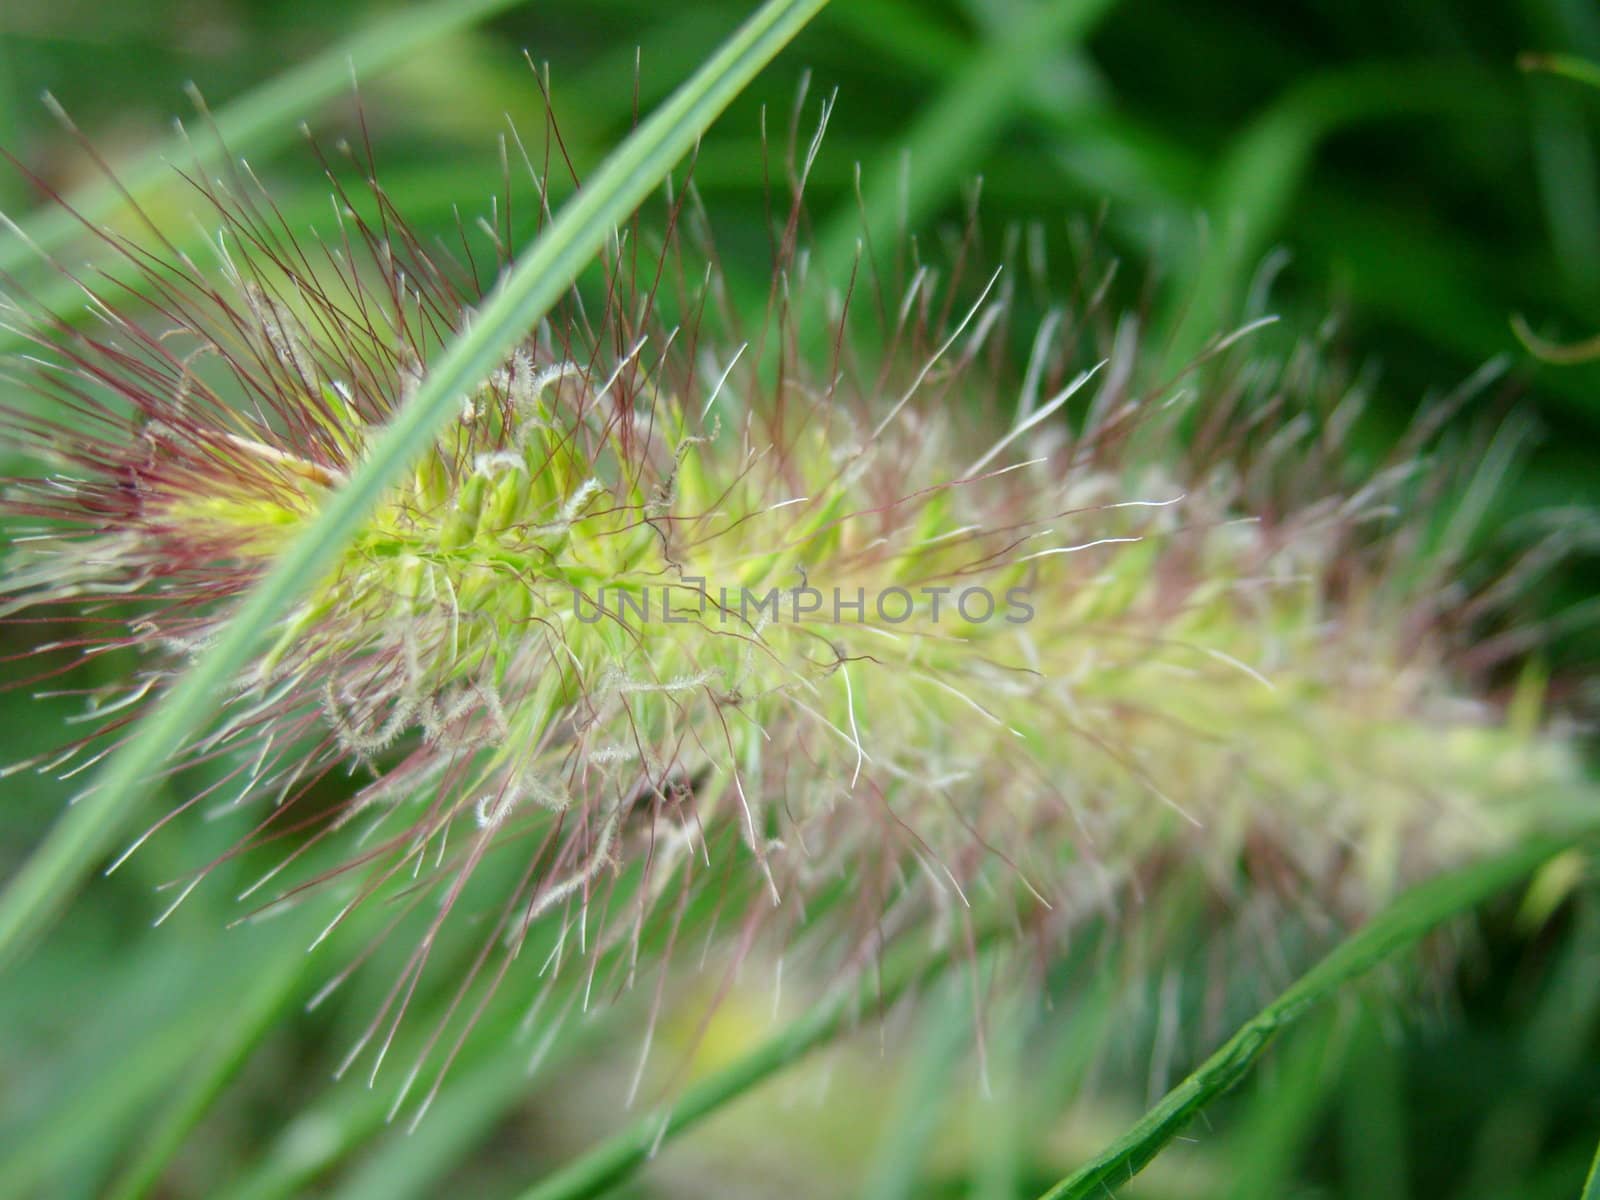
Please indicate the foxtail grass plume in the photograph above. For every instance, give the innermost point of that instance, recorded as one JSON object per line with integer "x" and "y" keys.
{"x": 860, "y": 633}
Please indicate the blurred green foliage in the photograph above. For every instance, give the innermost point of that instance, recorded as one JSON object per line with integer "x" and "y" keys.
{"x": 1424, "y": 190}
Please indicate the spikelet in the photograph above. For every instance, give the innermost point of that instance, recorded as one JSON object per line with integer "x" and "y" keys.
{"x": 868, "y": 638}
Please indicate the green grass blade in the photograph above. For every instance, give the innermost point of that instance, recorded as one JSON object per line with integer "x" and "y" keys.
{"x": 950, "y": 136}
{"x": 1565, "y": 168}
{"x": 413, "y": 1163}
{"x": 536, "y": 281}
{"x": 149, "y": 1029}
{"x": 1408, "y": 919}
{"x": 351, "y": 1124}
{"x": 1569, "y": 66}
{"x": 1374, "y": 1122}
{"x": 618, "y": 1157}
{"x": 1591, "y": 1186}
{"x": 1266, "y": 166}
{"x": 258, "y": 122}
{"x": 615, "y": 1159}
{"x": 1559, "y": 1028}
{"x": 99, "y": 1113}
{"x": 1283, "y": 1112}
{"x": 11, "y": 187}
{"x": 902, "y": 1152}
{"x": 428, "y": 193}
{"x": 272, "y": 984}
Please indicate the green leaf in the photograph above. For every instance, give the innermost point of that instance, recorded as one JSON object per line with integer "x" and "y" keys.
{"x": 1403, "y": 923}
{"x": 524, "y": 295}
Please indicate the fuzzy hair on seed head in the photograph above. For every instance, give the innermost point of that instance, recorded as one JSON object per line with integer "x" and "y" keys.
{"x": 1099, "y": 631}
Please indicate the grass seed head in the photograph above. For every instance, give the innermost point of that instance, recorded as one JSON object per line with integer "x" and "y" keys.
{"x": 868, "y": 637}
